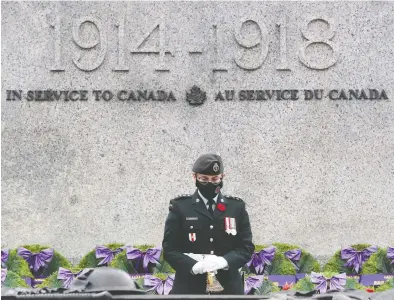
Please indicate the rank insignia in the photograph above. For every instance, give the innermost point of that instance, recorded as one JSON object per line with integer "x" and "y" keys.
{"x": 230, "y": 225}
{"x": 192, "y": 237}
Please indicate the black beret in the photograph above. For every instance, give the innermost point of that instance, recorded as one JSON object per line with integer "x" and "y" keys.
{"x": 208, "y": 164}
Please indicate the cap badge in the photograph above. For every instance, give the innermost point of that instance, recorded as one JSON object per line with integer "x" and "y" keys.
{"x": 215, "y": 167}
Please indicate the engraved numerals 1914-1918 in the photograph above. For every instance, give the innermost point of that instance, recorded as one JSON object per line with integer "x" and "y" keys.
{"x": 252, "y": 45}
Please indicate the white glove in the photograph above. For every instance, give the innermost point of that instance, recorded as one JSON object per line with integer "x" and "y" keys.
{"x": 209, "y": 263}
{"x": 198, "y": 268}
{"x": 197, "y": 257}
{"x": 214, "y": 263}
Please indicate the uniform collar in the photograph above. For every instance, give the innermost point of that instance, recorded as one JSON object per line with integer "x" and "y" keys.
{"x": 200, "y": 207}
{"x": 205, "y": 199}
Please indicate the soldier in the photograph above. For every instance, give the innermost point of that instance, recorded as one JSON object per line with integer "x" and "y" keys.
{"x": 207, "y": 223}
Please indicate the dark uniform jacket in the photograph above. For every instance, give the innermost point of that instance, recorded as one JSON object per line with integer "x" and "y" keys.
{"x": 190, "y": 228}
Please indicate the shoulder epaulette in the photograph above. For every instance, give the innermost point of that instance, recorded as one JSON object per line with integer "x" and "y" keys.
{"x": 181, "y": 197}
{"x": 232, "y": 197}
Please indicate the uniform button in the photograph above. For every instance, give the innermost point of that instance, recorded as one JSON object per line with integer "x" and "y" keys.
{"x": 211, "y": 226}
{"x": 211, "y": 239}
{"x": 191, "y": 227}
{"x": 212, "y": 252}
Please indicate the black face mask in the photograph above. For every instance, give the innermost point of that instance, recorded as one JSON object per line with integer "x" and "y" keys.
{"x": 209, "y": 190}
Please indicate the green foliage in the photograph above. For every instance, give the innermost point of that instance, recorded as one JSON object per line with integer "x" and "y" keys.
{"x": 144, "y": 247}
{"x": 388, "y": 285}
{"x": 90, "y": 260}
{"x": 57, "y": 261}
{"x": 371, "y": 265}
{"x": 378, "y": 263}
{"x": 258, "y": 248}
{"x": 282, "y": 247}
{"x": 280, "y": 264}
{"x": 14, "y": 280}
{"x": 17, "y": 264}
{"x": 304, "y": 285}
{"x": 352, "y": 284}
{"x": 360, "y": 247}
{"x": 161, "y": 276}
{"x": 139, "y": 282}
{"x": 121, "y": 262}
{"x": 329, "y": 274}
{"x": 53, "y": 282}
{"x": 307, "y": 262}
{"x": 266, "y": 288}
{"x": 163, "y": 267}
{"x": 336, "y": 263}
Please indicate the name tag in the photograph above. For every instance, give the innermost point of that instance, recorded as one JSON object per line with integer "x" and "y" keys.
{"x": 191, "y": 218}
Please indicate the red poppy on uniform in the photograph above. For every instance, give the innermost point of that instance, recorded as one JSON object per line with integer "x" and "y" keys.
{"x": 221, "y": 207}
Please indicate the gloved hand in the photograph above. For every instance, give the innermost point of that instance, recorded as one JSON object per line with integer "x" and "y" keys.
{"x": 214, "y": 263}
{"x": 209, "y": 262}
{"x": 198, "y": 268}
{"x": 197, "y": 257}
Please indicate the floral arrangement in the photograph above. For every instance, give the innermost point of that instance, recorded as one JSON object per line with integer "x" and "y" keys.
{"x": 351, "y": 260}
{"x": 322, "y": 282}
{"x": 269, "y": 260}
{"x": 42, "y": 260}
{"x": 60, "y": 279}
{"x": 270, "y": 269}
{"x": 389, "y": 284}
{"x": 259, "y": 285}
{"x": 302, "y": 260}
{"x": 142, "y": 259}
{"x": 381, "y": 261}
{"x": 158, "y": 284}
{"x": 15, "y": 263}
{"x": 11, "y": 279}
{"x": 101, "y": 255}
